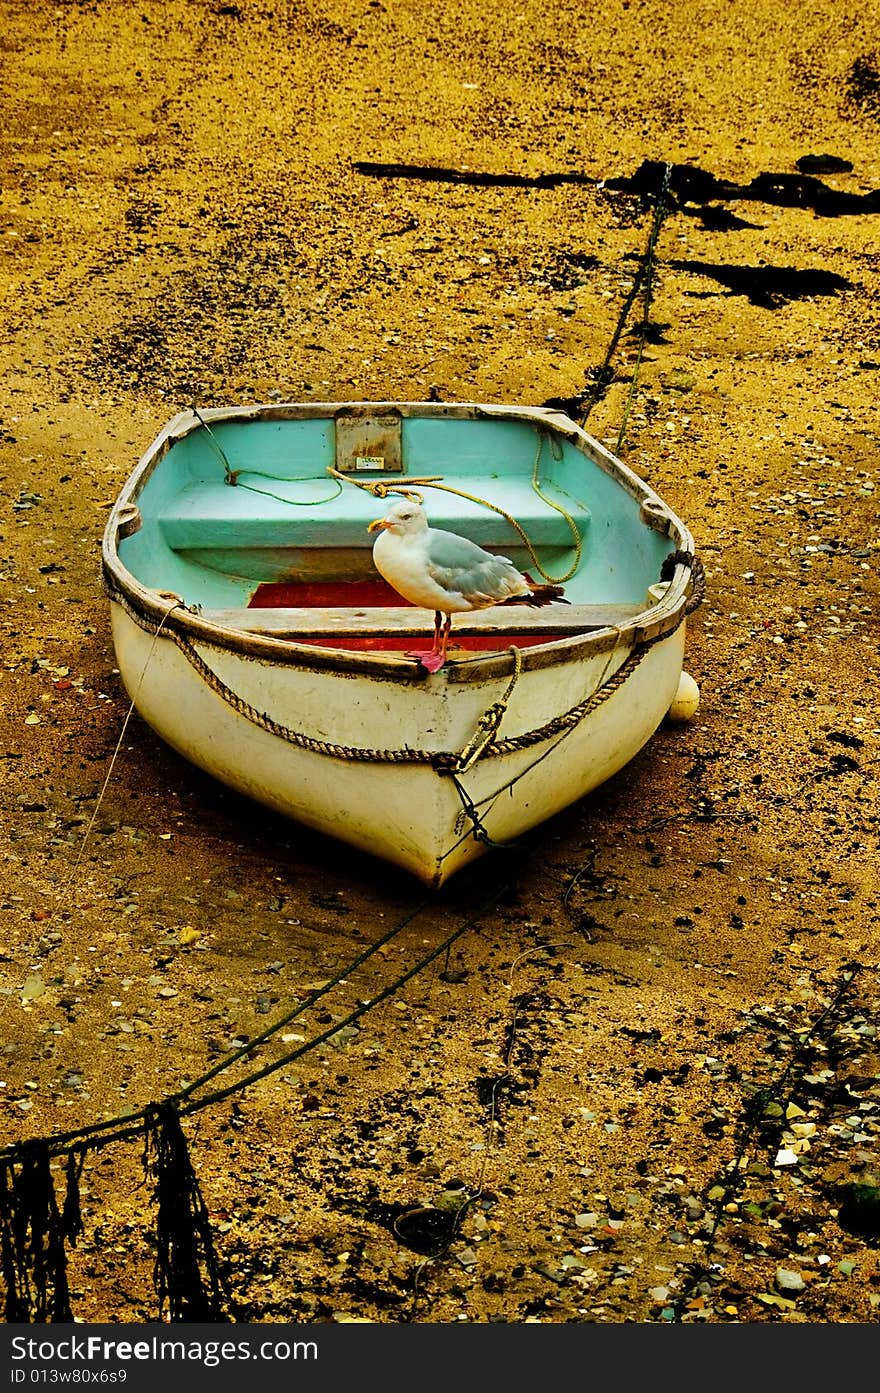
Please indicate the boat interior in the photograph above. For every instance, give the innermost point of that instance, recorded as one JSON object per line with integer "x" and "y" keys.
{"x": 260, "y": 522}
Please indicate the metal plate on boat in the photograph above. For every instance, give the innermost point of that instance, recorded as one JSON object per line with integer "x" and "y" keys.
{"x": 368, "y": 444}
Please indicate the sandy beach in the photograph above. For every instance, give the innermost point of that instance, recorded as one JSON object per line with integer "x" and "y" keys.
{"x": 209, "y": 203}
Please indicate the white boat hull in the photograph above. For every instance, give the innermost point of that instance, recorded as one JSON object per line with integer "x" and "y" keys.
{"x": 407, "y": 813}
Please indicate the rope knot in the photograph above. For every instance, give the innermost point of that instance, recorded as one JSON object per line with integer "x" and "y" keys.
{"x": 698, "y": 576}
{"x": 443, "y": 762}
{"x": 491, "y": 717}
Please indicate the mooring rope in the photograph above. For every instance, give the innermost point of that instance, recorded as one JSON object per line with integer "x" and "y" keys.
{"x": 102, "y": 1133}
{"x": 233, "y": 476}
{"x": 660, "y": 211}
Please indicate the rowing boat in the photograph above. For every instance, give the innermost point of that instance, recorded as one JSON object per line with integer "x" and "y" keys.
{"x": 255, "y": 636}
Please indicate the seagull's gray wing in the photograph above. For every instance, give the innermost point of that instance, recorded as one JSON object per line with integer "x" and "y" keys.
{"x": 461, "y": 567}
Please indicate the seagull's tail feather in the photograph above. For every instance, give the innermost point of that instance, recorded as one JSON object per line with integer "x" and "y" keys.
{"x": 539, "y": 595}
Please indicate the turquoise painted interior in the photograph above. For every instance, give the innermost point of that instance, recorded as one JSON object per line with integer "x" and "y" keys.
{"x": 288, "y": 519}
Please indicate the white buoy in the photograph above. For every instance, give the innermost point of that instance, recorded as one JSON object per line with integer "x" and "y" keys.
{"x": 686, "y": 699}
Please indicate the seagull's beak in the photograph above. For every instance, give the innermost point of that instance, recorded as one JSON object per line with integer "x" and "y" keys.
{"x": 378, "y": 525}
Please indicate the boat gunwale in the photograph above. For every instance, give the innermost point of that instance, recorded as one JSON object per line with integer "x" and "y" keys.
{"x": 166, "y": 610}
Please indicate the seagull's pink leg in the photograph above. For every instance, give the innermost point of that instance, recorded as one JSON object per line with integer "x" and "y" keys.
{"x": 434, "y": 660}
{"x": 445, "y": 636}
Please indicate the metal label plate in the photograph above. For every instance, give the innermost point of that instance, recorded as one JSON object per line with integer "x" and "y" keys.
{"x": 368, "y": 445}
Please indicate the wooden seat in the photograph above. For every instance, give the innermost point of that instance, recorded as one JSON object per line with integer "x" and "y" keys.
{"x": 408, "y": 621}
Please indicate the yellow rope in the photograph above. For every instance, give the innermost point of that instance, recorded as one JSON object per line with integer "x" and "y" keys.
{"x": 489, "y": 722}
{"x": 379, "y": 489}
{"x": 578, "y": 544}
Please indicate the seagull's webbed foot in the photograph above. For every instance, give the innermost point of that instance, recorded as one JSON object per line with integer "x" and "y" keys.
{"x": 431, "y": 661}
{"x": 434, "y": 658}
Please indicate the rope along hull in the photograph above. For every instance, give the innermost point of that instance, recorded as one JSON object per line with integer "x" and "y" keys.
{"x": 325, "y": 749}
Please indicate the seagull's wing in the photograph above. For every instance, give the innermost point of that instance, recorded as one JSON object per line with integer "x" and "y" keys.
{"x": 461, "y": 567}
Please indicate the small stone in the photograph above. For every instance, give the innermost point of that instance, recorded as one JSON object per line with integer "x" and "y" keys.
{"x": 803, "y": 1129}
{"x": 451, "y": 1201}
{"x": 786, "y": 1157}
{"x": 586, "y": 1221}
{"x": 787, "y": 1280}
{"x": 772, "y": 1298}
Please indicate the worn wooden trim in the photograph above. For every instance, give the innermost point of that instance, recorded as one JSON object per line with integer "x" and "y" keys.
{"x": 408, "y": 620}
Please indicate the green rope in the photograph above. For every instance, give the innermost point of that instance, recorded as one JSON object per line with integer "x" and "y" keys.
{"x": 233, "y": 476}
{"x": 295, "y": 479}
{"x": 130, "y": 1124}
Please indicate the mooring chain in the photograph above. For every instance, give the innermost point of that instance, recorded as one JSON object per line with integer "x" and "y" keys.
{"x": 490, "y": 721}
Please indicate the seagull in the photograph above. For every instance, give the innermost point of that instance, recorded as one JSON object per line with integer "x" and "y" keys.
{"x": 441, "y": 571}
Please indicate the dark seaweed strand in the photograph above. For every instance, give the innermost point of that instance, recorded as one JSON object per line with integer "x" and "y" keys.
{"x": 71, "y": 1214}
{"x": 186, "y": 1273}
{"x": 15, "y": 1278}
{"x": 33, "y": 1259}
